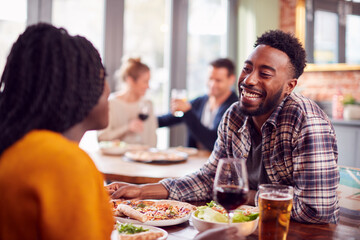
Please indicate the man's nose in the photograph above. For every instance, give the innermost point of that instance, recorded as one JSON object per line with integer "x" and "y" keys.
{"x": 251, "y": 79}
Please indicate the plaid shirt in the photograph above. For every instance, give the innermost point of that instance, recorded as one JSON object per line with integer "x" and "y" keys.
{"x": 298, "y": 149}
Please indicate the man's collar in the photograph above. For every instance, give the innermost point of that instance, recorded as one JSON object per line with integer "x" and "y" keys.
{"x": 271, "y": 120}
{"x": 273, "y": 117}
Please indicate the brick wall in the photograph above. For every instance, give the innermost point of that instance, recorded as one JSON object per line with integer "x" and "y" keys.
{"x": 319, "y": 86}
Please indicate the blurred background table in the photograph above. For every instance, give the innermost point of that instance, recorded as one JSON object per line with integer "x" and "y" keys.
{"x": 117, "y": 168}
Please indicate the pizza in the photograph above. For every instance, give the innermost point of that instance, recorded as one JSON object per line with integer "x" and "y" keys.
{"x": 189, "y": 151}
{"x": 152, "y": 210}
{"x": 156, "y": 155}
{"x": 117, "y": 147}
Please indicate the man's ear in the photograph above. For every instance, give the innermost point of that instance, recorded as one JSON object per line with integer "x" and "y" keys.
{"x": 290, "y": 85}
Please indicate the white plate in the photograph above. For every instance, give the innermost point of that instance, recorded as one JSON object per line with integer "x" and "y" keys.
{"x": 188, "y": 150}
{"x": 119, "y": 148}
{"x": 158, "y": 223}
{"x": 161, "y": 223}
{"x": 115, "y": 233}
{"x": 154, "y": 155}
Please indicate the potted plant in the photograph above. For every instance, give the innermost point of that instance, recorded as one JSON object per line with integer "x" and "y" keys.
{"x": 351, "y": 108}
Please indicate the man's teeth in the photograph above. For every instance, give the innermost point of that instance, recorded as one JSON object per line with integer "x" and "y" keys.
{"x": 250, "y": 95}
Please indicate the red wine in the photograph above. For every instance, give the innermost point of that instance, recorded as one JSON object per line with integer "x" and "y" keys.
{"x": 143, "y": 116}
{"x": 230, "y": 197}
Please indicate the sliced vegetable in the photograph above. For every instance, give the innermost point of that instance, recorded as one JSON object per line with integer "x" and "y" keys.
{"x": 213, "y": 212}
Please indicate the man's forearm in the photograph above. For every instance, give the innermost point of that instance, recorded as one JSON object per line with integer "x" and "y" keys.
{"x": 154, "y": 191}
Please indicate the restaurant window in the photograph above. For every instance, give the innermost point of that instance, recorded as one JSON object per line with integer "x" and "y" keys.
{"x": 81, "y": 17}
{"x": 13, "y": 16}
{"x": 146, "y": 34}
{"x": 207, "y": 40}
{"x": 332, "y": 34}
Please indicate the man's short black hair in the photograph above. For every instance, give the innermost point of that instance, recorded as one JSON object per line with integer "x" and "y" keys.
{"x": 224, "y": 63}
{"x": 288, "y": 44}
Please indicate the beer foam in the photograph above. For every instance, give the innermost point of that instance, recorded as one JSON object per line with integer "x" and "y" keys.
{"x": 275, "y": 196}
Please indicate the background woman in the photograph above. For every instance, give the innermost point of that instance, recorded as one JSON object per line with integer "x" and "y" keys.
{"x": 125, "y": 107}
{"x": 53, "y": 89}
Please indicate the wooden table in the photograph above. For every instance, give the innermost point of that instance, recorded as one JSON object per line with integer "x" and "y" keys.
{"x": 297, "y": 231}
{"x": 117, "y": 168}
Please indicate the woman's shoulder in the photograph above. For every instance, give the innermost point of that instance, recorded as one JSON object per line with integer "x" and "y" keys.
{"x": 40, "y": 146}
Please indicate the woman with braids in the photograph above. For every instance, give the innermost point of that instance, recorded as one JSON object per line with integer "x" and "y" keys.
{"x": 53, "y": 90}
{"x": 124, "y": 121}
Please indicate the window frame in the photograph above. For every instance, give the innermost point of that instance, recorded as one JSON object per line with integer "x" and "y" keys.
{"x": 41, "y": 11}
{"x": 305, "y": 10}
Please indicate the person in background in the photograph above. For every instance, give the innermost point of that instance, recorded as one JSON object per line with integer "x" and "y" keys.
{"x": 125, "y": 123}
{"x": 203, "y": 114}
{"x": 53, "y": 90}
{"x": 284, "y": 138}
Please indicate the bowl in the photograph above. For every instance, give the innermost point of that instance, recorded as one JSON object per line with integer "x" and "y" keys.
{"x": 244, "y": 228}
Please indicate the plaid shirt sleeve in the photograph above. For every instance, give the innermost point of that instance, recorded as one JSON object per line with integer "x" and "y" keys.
{"x": 315, "y": 172}
{"x": 198, "y": 186}
{"x": 193, "y": 187}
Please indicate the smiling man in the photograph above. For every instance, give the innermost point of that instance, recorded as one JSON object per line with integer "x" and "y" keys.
{"x": 284, "y": 137}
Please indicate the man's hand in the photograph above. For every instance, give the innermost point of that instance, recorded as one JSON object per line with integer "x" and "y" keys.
{"x": 131, "y": 191}
{"x": 179, "y": 105}
{"x": 123, "y": 190}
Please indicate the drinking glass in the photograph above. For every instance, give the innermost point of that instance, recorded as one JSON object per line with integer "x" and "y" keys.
{"x": 231, "y": 186}
{"x": 275, "y": 203}
{"x": 179, "y": 94}
{"x": 144, "y": 110}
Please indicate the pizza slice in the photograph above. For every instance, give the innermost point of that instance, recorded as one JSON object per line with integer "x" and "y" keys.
{"x": 130, "y": 212}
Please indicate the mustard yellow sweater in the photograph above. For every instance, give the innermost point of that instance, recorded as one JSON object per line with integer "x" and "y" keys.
{"x": 51, "y": 189}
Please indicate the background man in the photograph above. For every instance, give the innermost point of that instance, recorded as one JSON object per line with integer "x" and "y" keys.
{"x": 203, "y": 114}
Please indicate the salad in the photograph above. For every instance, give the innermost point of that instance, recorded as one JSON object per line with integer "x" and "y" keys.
{"x": 213, "y": 212}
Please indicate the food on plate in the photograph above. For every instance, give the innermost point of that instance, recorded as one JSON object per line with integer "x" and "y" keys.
{"x": 131, "y": 212}
{"x": 213, "y": 212}
{"x": 189, "y": 151}
{"x": 152, "y": 210}
{"x": 128, "y": 231}
{"x": 156, "y": 155}
{"x": 117, "y": 147}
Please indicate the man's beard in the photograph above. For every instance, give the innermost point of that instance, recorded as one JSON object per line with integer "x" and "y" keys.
{"x": 264, "y": 107}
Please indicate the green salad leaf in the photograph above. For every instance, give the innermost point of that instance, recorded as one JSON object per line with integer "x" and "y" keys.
{"x": 211, "y": 204}
{"x": 128, "y": 228}
{"x": 240, "y": 217}
{"x": 208, "y": 214}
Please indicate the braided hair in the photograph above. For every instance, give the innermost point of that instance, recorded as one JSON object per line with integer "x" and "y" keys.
{"x": 51, "y": 81}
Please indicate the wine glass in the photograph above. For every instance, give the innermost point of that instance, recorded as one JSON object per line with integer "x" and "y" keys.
{"x": 231, "y": 186}
{"x": 144, "y": 110}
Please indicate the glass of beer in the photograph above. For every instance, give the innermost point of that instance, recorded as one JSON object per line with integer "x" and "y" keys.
{"x": 179, "y": 94}
{"x": 275, "y": 203}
